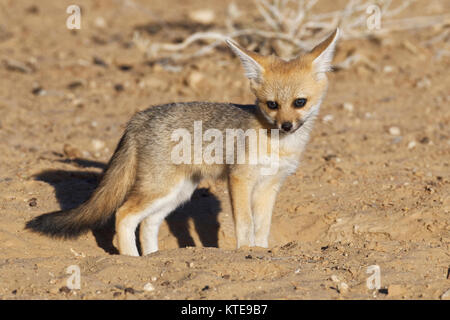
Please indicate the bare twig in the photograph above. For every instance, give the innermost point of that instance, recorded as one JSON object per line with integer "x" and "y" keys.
{"x": 290, "y": 26}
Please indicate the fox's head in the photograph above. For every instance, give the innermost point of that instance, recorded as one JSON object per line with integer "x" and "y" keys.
{"x": 288, "y": 92}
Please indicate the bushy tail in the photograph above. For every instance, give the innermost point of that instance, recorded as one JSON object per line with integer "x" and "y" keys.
{"x": 116, "y": 182}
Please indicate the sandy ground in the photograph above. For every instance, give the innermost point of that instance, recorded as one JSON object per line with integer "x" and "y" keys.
{"x": 373, "y": 187}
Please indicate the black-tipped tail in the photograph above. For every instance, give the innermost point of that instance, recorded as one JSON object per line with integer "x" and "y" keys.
{"x": 59, "y": 224}
{"x": 106, "y": 199}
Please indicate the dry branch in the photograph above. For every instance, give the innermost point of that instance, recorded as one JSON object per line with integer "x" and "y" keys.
{"x": 290, "y": 27}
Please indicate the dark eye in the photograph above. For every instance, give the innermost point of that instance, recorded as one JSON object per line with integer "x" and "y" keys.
{"x": 299, "y": 103}
{"x": 272, "y": 105}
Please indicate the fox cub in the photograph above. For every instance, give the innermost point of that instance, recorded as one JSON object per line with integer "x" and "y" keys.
{"x": 141, "y": 185}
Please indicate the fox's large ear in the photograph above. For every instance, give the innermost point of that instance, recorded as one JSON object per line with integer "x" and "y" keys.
{"x": 323, "y": 53}
{"x": 253, "y": 69}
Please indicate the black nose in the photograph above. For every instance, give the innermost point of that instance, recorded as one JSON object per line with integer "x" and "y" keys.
{"x": 286, "y": 126}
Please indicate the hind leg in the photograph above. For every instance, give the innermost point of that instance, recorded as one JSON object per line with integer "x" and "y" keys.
{"x": 128, "y": 217}
{"x": 150, "y": 226}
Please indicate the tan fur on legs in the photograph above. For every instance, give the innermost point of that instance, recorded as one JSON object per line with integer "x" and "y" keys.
{"x": 263, "y": 200}
{"x": 240, "y": 192}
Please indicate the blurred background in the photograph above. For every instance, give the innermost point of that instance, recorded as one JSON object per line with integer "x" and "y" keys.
{"x": 373, "y": 186}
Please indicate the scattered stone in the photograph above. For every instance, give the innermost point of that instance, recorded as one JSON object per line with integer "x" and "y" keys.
{"x": 394, "y": 131}
{"x": 423, "y": 83}
{"x": 64, "y": 289}
{"x": 71, "y": 152}
{"x": 32, "y": 202}
{"x": 38, "y": 91}
{"x": 383, "y": 291}
{"x": 116, "y": 294}
{"x": 75, "y": 84}
{"x": 249, "y": 256}
{"x": 348, "y": 106}
{"x": 205, "y": 288}
{"x": 412, "y": 144}
{"x": 424, "y": 140}
{"x": 388, "y": 69}
{"x": 129, "y": 290}
{"x": 98, "y": 144}
{"x": 100, "y": 22}
{"x": 119, "y": 87}
{"x": 328, "y": 118}
{"x": 125, "y": 67}
{"x": 203, "y": 16}
{"x": 226, "y": 276}
{"x": 149, "y": 287}
{"x": 100, "y": 62}
{"x": 329, "y": 157}
{"x": 32, "y": 9}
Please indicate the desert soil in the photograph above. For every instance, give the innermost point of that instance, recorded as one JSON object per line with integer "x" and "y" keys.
{"x": 373, "y": 187}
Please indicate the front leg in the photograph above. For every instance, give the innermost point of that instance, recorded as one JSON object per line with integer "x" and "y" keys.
{"x": 263, "y": 200}
{"x": 240, "y": 193}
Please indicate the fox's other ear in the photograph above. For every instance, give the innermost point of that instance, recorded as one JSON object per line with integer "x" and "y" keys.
{"x": 253, "y": 69}
{"x": 323, "y": 53}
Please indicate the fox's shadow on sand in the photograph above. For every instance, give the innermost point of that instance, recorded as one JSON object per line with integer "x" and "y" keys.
{"x": 72, "y": 188}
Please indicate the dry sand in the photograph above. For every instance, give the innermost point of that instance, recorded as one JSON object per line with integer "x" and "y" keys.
{"x": 373, "y": 187}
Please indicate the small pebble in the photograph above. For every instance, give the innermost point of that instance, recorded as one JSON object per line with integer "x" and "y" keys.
{"x": 388, "y": 69}
{"x": 71, "y": 152}
{"x": 119, "y": 87}
{"x": 74, "y": 85}
{"x": 32, "y": 202}
{"x": 202, "y": 16}
{"x": 100, "y": 22}
{"x": 348, "y": 106}
{"x": 129, "y": 290}
{"x": 99, "y": 61}
{"x": 423, "y": 83}
{"x": 64, "y": 289}
{"x": 98, "y": 144}
{"x": 327, "y": 118}
{"x": 412, "y": 144}
{"x": 149, "y": 287}
{"x": 424, "y": 140}
{"x": 395, "y": 131}
{"x": 37, "y": 91}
